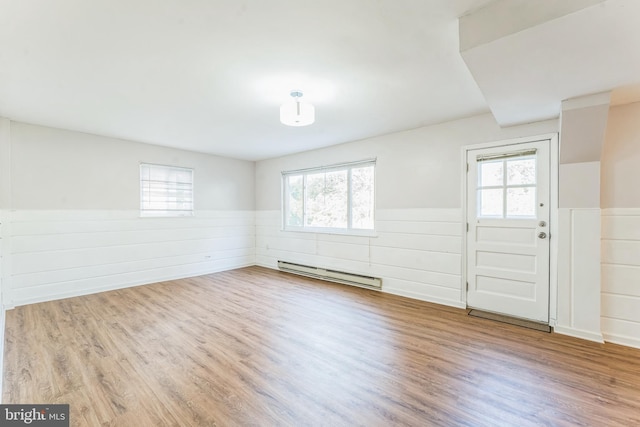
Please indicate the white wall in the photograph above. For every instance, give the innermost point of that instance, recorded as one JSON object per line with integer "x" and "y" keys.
{"x": 579, "y": 251}
{"x": 417, "y": 251}
{"x": 621, "y": 227}
{"x": 621, "y": 158}
{"x": 5, "y": 195}
{"x": 58, "y": 169}
{"x": 73, "y": 216}
{"x": 579, "y": 273}
{"x": 621, "y": 275}
{"x": 579, "y": 286}
{"x": 582, "y": 132}
{"x": 580, "y": 185}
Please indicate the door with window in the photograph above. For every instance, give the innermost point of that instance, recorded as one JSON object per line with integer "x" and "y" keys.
{"x": 508, "y": 230}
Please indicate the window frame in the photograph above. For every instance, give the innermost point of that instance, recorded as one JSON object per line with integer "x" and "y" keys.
{"x": 349, "y": 230}
{"x": 166, "y": 213}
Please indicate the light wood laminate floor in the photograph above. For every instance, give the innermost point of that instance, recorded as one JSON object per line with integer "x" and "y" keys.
{"x": 256, "y": 347}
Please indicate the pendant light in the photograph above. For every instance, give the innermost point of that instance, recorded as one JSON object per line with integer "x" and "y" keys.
{"x": 297, "y": 113}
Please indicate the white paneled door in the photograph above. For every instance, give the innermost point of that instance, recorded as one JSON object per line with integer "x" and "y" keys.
{"x": 508, "y": 230}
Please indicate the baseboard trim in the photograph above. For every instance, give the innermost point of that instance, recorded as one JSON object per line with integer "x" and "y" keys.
{"x": 421, "y": 297}
{"x": 579, "y": 333}
{"x": 124, "y": 285}
{"x": 622, "y": 340}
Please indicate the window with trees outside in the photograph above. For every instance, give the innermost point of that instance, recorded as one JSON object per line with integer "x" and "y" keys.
{"x": 338, "y": 198}
{"x": 165, "y": 191}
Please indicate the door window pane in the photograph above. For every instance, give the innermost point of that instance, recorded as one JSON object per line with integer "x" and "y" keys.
{"x": 521, "y": 171}
{"x": 490, "y": 174}
{"x": 490, "y": 202}
{"x": 521, "y": 202}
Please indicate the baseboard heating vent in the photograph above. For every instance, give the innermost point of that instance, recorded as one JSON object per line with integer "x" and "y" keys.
{"x": 331, "y": 275}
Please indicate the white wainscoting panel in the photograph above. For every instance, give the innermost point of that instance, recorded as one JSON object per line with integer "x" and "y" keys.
{"x": 579, "y": 274}
{"x": 621, "y": 276}
{"x": 59, "y": 254}
{"x": 417, "y": 252}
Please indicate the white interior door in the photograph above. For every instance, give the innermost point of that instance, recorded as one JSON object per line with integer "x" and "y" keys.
{"x": 508, "y": 230}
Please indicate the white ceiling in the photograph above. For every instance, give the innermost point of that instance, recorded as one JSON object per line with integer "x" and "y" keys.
{"x": 209, "y": 75}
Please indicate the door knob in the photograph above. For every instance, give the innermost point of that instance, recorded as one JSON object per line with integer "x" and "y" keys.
{"x": 542, "y": 235}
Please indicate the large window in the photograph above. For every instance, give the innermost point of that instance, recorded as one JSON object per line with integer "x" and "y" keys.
{"x": 338, "y": 198}
{"x": 165, "y": 190}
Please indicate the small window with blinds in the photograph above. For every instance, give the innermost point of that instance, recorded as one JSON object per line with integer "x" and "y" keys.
{"x": 165, "y": 191}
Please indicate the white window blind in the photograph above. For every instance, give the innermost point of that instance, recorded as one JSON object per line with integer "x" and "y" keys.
{"x": 165, "y": 191}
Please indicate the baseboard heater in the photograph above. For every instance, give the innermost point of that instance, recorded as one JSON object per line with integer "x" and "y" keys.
{"x": 331, "y": 275}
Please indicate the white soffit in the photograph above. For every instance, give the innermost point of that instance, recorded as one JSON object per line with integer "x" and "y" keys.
{"x": 583, "y": 126}
{"x": 526, "y": 71}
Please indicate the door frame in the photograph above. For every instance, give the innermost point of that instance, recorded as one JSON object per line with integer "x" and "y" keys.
{"x": 553, "y": 213}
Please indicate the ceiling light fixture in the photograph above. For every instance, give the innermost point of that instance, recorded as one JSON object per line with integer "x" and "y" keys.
{"x": 297, "y": 113}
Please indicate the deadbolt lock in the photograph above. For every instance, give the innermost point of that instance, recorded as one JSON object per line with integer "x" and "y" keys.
{"x": 542, "y": 224}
